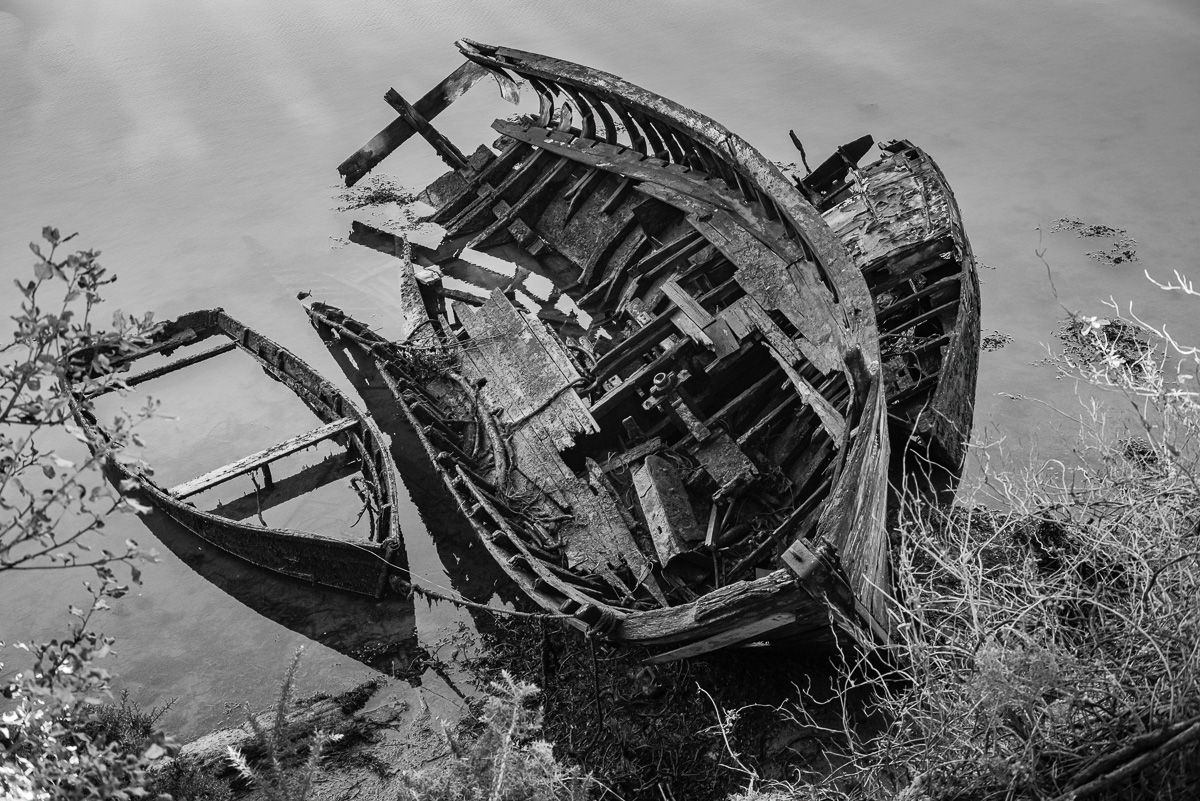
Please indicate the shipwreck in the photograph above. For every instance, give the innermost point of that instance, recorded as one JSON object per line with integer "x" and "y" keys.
{"x": 674, "y": 412}
{"x": 674, "y": 391}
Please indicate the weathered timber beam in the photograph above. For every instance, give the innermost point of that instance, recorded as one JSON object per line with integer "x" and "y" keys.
{"x": 326, "y": 471}
{"x": 435, "y": 101}
{"x": 264, "y": 457}
{"x": 750, "y": 632}
{"x": 444, "y": 147}
{"x": 481, "y": 183}
{"x": 555, "y": 173}
{"x": 489, "y": 195}
{"x": 831, "y": 418}
{"x": 147, "y": 375}
{"x": 184, "y": 337}
{"x": 634, "y": 345}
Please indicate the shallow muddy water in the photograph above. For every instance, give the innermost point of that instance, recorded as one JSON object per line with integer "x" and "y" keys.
{"x": 197, "y": 145}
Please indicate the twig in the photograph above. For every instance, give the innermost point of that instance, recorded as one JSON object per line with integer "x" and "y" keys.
{"x": 1133, "y": 765}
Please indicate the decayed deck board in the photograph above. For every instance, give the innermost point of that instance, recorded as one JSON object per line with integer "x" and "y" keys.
{"x": 264, "y": 457}
{"x": 529, "y": 381}
{"x": 435, "y": 101}
{"x": 529, "y": 376}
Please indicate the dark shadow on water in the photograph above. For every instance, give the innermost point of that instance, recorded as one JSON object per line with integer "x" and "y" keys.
{"x": 379, "y": 633}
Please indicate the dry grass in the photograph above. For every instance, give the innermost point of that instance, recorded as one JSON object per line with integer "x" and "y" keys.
{"x": 1053, "y": 647}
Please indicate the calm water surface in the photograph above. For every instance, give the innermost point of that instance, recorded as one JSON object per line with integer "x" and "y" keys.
{"x": 196, "y": 145}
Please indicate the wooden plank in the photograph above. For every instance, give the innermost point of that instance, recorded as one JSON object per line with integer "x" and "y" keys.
{"x": 548, "y": 178}
{"x": 668, "y": 512}
{"x": 264, "y": 457}
{"x": 444, "y": 147}
{"x": 831, "y": 419}
{"x": 330, "y": 469}
{"x": 690, "y": 330}
{"x": 633, "y": 346}
{"x": 529, "y": 375}
{"x": 687, "y": 304}
{"x": 184, "y": 337}
{"x": 749, "y": 632}
{"x": 435, "y": 101}
{"x": 165, "y": 369}
{"x": 518, "y": 178}
{"x": 631, "y": 455}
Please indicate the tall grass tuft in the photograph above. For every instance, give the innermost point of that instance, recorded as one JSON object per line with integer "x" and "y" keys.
{"x": 504, "y": 762}
{"x": 279, "y": 778}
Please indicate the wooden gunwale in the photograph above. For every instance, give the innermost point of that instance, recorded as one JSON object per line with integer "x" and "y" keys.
{"x": 357, "y": 565}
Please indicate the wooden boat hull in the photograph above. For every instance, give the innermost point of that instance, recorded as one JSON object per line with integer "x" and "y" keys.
{"x": 357, "y": 565}
{"x": 725, "y": 368}
{"x": 898, "y": 219}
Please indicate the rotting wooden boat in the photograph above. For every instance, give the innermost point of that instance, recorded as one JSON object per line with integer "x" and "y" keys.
{"x": 355, "y": 564}
{"x": 666, "y": 417}
{"x": 899, "y": 222}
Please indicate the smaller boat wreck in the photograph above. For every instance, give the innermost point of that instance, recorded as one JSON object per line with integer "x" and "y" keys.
{"x": 672, "y": 414}
{"x": 354, "y": 563}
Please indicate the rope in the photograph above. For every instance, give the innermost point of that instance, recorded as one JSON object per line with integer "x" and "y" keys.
{"x": 427, "y": 593}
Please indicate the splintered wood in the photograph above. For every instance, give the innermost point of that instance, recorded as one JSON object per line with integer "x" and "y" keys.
{"x": 529, "y": 383}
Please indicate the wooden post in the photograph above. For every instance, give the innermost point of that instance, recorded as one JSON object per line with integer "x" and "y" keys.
{"x": 435, "y": 101}
{"x": 444, "y": 147}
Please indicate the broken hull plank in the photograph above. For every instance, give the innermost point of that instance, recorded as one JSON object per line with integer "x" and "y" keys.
{"x": 356, "y": 565}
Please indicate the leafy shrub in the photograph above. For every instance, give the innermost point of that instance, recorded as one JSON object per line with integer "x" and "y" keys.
{"x": 55, "y": 743}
